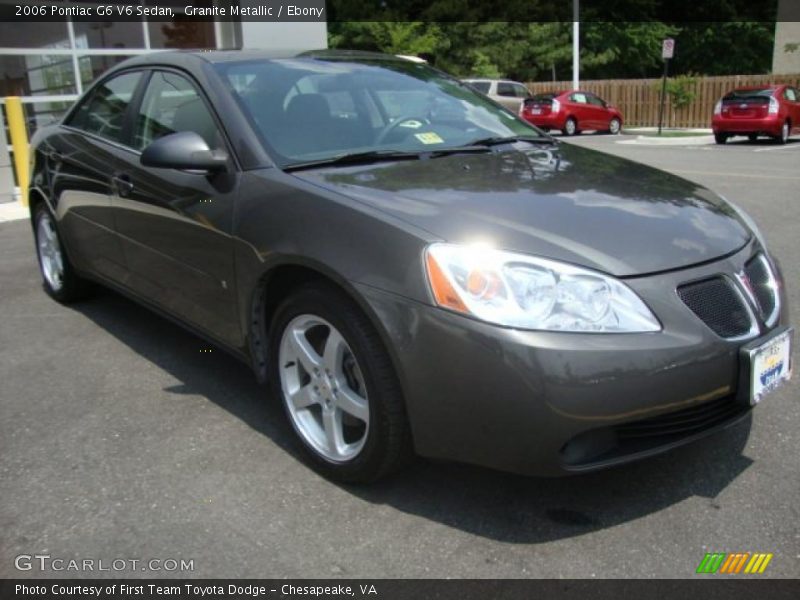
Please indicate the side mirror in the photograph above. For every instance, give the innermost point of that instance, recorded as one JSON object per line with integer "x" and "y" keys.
{"x": 185, "y": 150}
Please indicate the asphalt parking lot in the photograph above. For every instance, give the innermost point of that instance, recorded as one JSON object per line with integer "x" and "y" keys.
{"x": 121, "y": 436}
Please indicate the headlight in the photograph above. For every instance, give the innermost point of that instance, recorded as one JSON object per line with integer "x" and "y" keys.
{"x": 527, "y": 292}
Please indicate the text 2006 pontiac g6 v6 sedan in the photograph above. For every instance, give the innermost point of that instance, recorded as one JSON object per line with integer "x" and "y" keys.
{"x": 411, "y": 267}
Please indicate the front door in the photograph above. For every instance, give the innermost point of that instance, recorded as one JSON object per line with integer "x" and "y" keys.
{"x": 176, "y": 226}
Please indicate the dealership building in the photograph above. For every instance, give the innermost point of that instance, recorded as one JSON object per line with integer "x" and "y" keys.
{"x": 49, "y": 64}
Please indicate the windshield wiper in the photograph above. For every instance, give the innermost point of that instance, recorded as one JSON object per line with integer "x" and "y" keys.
{"x": 496, "y": 141}
{"x": 382, "y": 155}
{"x": 354, "y": 158}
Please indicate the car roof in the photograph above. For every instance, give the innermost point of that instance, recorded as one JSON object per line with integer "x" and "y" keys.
{"x": 749, "y": 88}
{"x": 476, "y": 79}
{"x": 182, "y": 57}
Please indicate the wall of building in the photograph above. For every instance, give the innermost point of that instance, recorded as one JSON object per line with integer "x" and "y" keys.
{"x": 49, "y": 64}
{"x": 783, "y": 61}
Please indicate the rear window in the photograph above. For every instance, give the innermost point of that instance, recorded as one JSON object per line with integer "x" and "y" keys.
{"x": 757, "y": 96}
{"x": 543, "y": 98}
{"x": 481, "y": 86}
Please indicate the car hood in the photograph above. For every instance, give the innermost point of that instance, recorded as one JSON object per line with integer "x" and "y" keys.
{"x": 564, "y": 202}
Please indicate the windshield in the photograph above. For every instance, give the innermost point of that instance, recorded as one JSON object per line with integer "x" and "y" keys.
{"x": 310, "y": 109}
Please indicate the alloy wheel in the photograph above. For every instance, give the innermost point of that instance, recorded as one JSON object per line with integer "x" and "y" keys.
{"x": 323, "y": 388}
{"x": 51, "y": 260}
{"x": 613, "y": 126}
{"x": 570, "y": 126}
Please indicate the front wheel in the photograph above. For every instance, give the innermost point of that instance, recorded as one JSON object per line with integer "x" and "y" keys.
{"x": 614, "y": 126}
{"x": 59, "y": 278}
{"x": 720, "y": 138}
{"x": 570, "y": 127}
{"x": 337, "y": 385}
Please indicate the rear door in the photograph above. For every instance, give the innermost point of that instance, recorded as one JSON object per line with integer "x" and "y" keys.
{"x": 82, "y": 158}
{"x": 539, "y": 106}
{"x": 579, "y": 107}
{"x": 507, "y": 95}
{"x": 176, "y": 226}
{"x": 746, "y": 104}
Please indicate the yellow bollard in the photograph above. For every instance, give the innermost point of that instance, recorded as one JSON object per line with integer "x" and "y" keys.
{"x": 18, "y": 133}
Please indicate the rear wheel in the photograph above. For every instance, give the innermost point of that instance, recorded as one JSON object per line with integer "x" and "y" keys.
{"x": 337, "y": 385}
{"x": 720, "y": 138}
{"x": 783, "y": 137}
{"x": 570, "y": 126}
{"x": 59, "y": 278}
{"x": 614, "y": 126}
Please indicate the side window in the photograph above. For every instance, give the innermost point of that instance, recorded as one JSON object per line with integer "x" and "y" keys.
{"x": 103, "y": 113}
{"x": 172, "y": 104}
{"x": 595, "y": 101}
{"x": 505, "y": 88}
{"x": 790, "y": 94}
{"x": 578, "y": 98}
{"x": 521, "y": 90}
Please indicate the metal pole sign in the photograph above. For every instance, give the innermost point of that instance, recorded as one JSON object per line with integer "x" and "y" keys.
{"x": 667, "y": 48}
{"x": 667, "y": 52}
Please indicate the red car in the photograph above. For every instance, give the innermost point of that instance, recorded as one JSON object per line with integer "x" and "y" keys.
{"x": 571, "y": 112}
{"x": 772, "y": 110}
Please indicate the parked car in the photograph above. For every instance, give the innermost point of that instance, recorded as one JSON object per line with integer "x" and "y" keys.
{"x": 508, "y": 93}
{"x": 772, "y": 110}
{"x": 571, "y": 112}
{"x": 407, "y": 265}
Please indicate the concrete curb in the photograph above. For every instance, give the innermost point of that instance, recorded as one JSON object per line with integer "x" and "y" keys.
{"x": 646, "y": 140}
{"x": 12, "y": 211}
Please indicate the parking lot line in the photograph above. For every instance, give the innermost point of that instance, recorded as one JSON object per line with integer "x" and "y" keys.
{"x": 777, "y": 148}
{"x": 748, "y": 175}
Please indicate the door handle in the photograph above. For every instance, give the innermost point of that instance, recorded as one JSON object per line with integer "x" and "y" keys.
{"x": 123, "y": 184}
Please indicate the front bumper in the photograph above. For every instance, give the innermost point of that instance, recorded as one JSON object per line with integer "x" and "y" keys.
{"x": 544, "y": 403}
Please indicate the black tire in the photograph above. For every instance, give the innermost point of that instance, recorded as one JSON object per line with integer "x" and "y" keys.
{"x": 720, "y": 138}
{"x": 752, "y": 137}
{"x": 72, "y": 287}
{"x": 573, "y": 130}
{"x": 783, "y": 137}
{"x": 388, "y": 445}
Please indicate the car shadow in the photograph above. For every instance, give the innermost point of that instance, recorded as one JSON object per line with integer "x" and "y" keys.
{"x": 500, "y": 506}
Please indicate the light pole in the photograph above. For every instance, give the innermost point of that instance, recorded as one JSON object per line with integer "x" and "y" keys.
{"x": 576, "y": 32}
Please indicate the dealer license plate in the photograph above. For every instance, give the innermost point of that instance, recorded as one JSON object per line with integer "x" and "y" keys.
{"x": 770, "y": 365}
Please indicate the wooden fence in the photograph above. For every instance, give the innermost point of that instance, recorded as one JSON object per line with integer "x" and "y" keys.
{"x": 638, "y": 99}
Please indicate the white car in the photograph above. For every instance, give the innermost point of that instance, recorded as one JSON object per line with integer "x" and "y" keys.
{"x": 508, "y": 93}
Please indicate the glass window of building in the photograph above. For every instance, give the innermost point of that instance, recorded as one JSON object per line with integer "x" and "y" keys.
{"x": 109, "y": 34}
{"x": 36, "y": 75}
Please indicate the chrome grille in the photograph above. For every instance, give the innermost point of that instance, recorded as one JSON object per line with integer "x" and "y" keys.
{"x": 763, "y": 287}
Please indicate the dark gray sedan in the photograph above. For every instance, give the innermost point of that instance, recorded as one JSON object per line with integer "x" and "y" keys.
{"x": 411, "y": 267}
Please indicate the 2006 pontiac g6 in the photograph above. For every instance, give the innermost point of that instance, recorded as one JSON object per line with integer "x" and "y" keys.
{"x": 411, "y": 267}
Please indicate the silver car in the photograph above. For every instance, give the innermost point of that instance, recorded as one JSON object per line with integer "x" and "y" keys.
{"x": 508, "y": 93}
